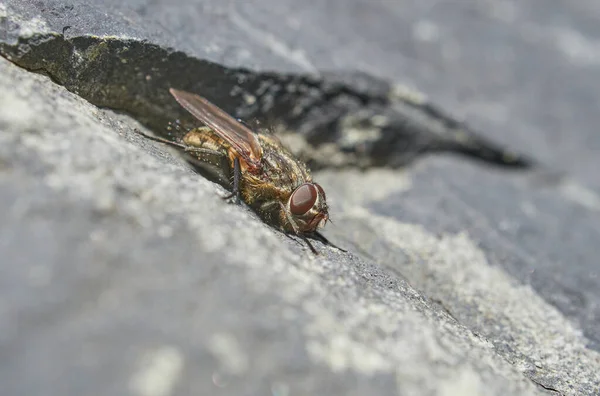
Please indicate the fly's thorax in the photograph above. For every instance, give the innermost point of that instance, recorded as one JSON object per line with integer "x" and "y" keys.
{"x": 280, "y": 167}
{"x": 308, "y": 207}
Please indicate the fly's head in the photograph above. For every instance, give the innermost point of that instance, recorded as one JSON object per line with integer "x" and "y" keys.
{"x": 308, "y": 207}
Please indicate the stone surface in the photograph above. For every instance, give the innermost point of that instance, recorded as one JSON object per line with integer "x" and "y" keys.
{"x": 125, "y": 273}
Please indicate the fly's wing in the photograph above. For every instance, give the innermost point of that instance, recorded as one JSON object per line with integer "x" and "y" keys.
{"x": 239, "y": 136}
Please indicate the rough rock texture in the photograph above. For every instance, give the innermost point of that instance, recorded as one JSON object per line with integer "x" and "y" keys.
{"x": 123, "y": 272}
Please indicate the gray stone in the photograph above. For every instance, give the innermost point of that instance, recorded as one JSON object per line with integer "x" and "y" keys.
{"x": 123, "y": 272}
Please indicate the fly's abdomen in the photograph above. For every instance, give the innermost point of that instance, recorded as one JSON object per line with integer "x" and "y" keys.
{"x": 211, "y": 158}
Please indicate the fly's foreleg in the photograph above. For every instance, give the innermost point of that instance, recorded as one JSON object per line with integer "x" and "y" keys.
{"x": 321, "y": 237}
{"x": 237, "y": 176}
{"x": 297, "y": 232}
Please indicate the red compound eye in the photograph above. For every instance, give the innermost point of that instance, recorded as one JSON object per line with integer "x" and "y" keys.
{"x": 303, "y": 199}
{"x": 321, "y": 191}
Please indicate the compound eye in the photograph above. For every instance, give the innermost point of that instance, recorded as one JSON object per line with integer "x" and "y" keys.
{"x": 321, "y": 191}
{"x": 303, "y": 199}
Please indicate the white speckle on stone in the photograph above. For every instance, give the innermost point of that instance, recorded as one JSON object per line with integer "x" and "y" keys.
{"x": 98, "y": 235}
{"x": 17, "y": 113}
{"x": 342, "y": 353}
{"x": 380, "y": 121}
{"x": 27, "y": 27}
{"x": 226, "y": 348}
{"x": 158, "y": 372}
{"x": 355, "y": 135}
{"x": 411, "y": 95}
{"x": 529, "y": 209}
{"x": 577, "y": 47}
{"x": 40, "y": 275}
{"x": 425, "y": 31}
{"x": 249, "y": 99}
{"x": 219, "y": 380}
{"x": 506, "y": 225}
{"x": 165, "y": 231}
{"x": 581, "y": 195}
{"x": 280, "y": 389}
{"x": 465, "y": 383}
{"x": 385, "y": 181}
{"x": 504, "y": 11}
{"x": 34, "y": 26}
{"x": 276, "y": 45}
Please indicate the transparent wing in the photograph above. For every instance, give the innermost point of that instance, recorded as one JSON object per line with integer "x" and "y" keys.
{"x": 239, "y": 136}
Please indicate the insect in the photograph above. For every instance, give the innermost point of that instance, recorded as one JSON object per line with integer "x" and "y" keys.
{"x": 260, "y": 171}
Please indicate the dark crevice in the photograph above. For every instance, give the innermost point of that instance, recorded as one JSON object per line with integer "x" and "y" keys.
{"x": 367, "y": 124}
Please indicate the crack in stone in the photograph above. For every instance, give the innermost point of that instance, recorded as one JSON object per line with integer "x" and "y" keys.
{"x": 365, "y": 121}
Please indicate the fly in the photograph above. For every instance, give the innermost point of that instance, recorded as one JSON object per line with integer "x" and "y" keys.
{"x": 260, "y": 171}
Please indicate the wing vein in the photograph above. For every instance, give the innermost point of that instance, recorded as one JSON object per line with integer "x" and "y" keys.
{"x": 240, "y": 137}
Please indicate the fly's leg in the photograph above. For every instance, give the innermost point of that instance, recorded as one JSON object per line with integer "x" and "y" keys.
{"x": 267, "y": 205}
{"x": 305, "y": 239}
{"x": 237, "y": 174}
{"x": 184, "y": 147}
{"x": 160, "y": 140}
{"x": 301, "y": 236}
{"x": 295, "y": 228}
{"x": 321, "y": 237}
{"x": 202, "y": 156}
